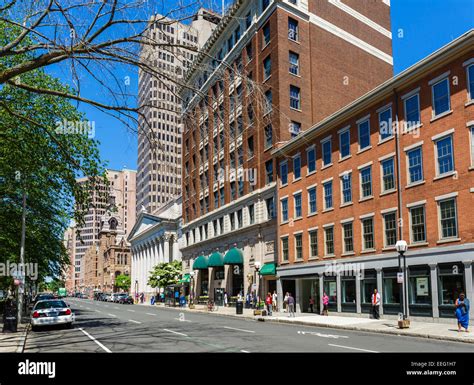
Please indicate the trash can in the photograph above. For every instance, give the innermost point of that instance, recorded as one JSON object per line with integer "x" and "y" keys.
{"x": 239, "y": 307}
{"x": 10, "y": 319}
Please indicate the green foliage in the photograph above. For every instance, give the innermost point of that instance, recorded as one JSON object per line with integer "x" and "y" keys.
{"x": 123, "y": 282}
{"x": 37, "y": 160}
{"x": 165, "y": 274}
{"x": 52, "y": 286}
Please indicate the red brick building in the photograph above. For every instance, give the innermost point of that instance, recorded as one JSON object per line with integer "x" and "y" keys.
{"x": 397, "y": 163}
{"x": 270, "y": 70}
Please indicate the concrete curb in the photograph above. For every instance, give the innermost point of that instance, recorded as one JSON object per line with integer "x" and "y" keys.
{"x": 22, "y": 341}
{"x": 340, "y": 327}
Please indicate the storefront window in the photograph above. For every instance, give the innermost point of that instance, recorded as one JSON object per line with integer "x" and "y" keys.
{"x": 348, "y": 290}
{"x": 391, "y": 288}
{"x": 368, "y": 284}
{"x": 450, "y": 282}
{"x": 237, "y": 272}
{"x": 204, "y": 282}
{"x": 419, "y": 285}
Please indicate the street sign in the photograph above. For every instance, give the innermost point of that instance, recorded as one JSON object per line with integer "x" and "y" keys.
{"x": 399, "y": 277}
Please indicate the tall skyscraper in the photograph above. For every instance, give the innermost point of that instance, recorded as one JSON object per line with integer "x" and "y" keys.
{"x": 121, "y": 194}
{"x": 159, "y": 143}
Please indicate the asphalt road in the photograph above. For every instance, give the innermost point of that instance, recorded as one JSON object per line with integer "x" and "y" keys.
{"x": 108, "y": 327}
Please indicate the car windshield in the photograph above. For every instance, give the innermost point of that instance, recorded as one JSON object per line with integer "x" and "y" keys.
{"x": 44, "y": 296}
{"x": 49, "y": 304}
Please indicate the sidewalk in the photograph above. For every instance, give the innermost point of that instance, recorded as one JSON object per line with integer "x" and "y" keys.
{"x": 438, "y": 331}
{"x": 13, "y": 342}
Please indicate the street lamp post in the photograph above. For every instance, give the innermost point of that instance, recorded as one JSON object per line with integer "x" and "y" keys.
{"x": 191, "y": 292}
{"x": 257, "y": 269}
{"x": 401, "y": 247}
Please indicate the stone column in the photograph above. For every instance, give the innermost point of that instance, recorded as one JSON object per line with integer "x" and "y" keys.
{"x": 321, "y": 290}
{"x": 298, "y": 299}
{"x": 468, "y": 279}
{"x": 358, "y": 299}
{"x": 176, "y": 252}
{"x": 380, "y": 288}
{"x": 166, "y": 247}
{"x": 338, "y": 293}
{"x": 434, "y": 290}
{"x": 160, "y": 250}
{"x": 280, "y": 294}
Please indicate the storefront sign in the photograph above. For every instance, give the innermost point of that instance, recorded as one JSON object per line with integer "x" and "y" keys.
{"x": 422, "y": 286}
{"x": 399, "y": 277}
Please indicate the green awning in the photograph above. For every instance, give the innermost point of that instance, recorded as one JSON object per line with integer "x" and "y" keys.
{"x": 201, "y": 263}
{"x": 234, "y": 257}
{"x": 268, "y": 269}
{"x": 186, "y": 279}
{"x": 216, "y": 260}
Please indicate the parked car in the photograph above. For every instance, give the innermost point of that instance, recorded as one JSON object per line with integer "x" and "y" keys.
{"x": 124, "y": 298}
{"x": 51, "y": 312}
{"x": 109, "y": 297}
{"x": 97, "y": 296}
{"x": 41, "y": 297}
{"x": 115, "y": 297}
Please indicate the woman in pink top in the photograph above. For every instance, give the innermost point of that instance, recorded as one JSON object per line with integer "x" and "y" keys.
{"x": 325, "y": 303}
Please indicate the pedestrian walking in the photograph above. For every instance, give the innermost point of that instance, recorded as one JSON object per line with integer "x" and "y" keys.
{"x": 285, "y": 302}
{"x": 142, "y": 297}
{"x": 226, "y": 299}
{"x": 311, "y": 304}
{"x": 291, "y": 305}
{"x": 275, "y": 301}
{"x": 248, "y": 299}
{"x": 254, "y": 300}
{"x": 462, "y": 312}
{"x": 325, "y": 304}
{"x": 376, "y": 304}
{"x": 269, "y": 303}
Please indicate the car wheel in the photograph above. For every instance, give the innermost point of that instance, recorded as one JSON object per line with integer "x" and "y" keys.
{"x": 69, "y": 325}
{"x": 34, "y": 328}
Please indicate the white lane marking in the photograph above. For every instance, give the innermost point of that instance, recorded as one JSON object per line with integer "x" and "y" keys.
{"x": 322, "y": 335}
{"x": 245, "y": 351}
{"x": 97, "y": 342}
{"x": 349, "y": 347}
{"x": 132, "y": 311}
{"x": 150, "y": 314}
{"x": 182, "y": 320}
{"x": 240, "y": 330}
{"x": 172, "y": 331}
{"x": 112, "y": 315}
{"x": 131, "y": 320}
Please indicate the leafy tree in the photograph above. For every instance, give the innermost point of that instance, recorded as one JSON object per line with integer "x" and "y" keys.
{"x": 123, "y": 282}
{"x": 165, "y": 274}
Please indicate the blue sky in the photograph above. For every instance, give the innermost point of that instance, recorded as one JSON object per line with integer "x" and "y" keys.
{"x": 419, "y": 27}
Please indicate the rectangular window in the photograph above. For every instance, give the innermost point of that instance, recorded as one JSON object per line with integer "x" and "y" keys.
{"x": 284, "y": 249}
{"x": 364, "y": 134}
{"x": 344, "y": 143}
{"x": 312, "y": 200}
{"x": 265, "y": 4}
{"x": 239, "y": 219}
{"x": 292, "y": 29}
{"x": 251, "y": 214}
{"x": 385, "y": 124}
{"x": 327, "y": 152}
{"x": 390, "y": 225}
{"x": 348, "y": 238}
{"x": 470, "y": 81}
{"x": 294, "y": 60}
{"x": 284, "y": 210}
{"x": 250, "y": 147}
{"x": 418, "y": 233}
{"x": 448, "y": 218}
{"x": 232, "y": 221}
{"x": 299, "y": 246}
{"x": 268, "y": 136}
{"x": 412, "y": 111}
{"x": 366, "y": 182}
{"x": 249, "y": 51}
{"x": 368, "y": 233}
{"x": 388, "y": 175}
{"x": 269, "y": 171}
{"x": 284, "y": 173}
{"x": 444, "y": 154}
{"x": 268, "y": 102}
{"x": 311, "y": 158}
{"x": 267, "y": 67}
{"x": 440, "y": 92}
{"x": 297, "y": 199}
{"x": 266, "y": 34}
{"x": 329, "y": 240}
{"x": 270, "y": 208}
{"x": 346, "y": 183}
{"x": 222, "y": 196}
{"x": 471, "y": 129}
{"x": 415, "y": 165}
{"x": 313, "y": 243}
{"x": 248, "y": 20}
{"x": 295, "y": 101}
{"x": 237, "y": 34}
{"x": 296, "y": 167}
{"x": 327, "y": 195}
